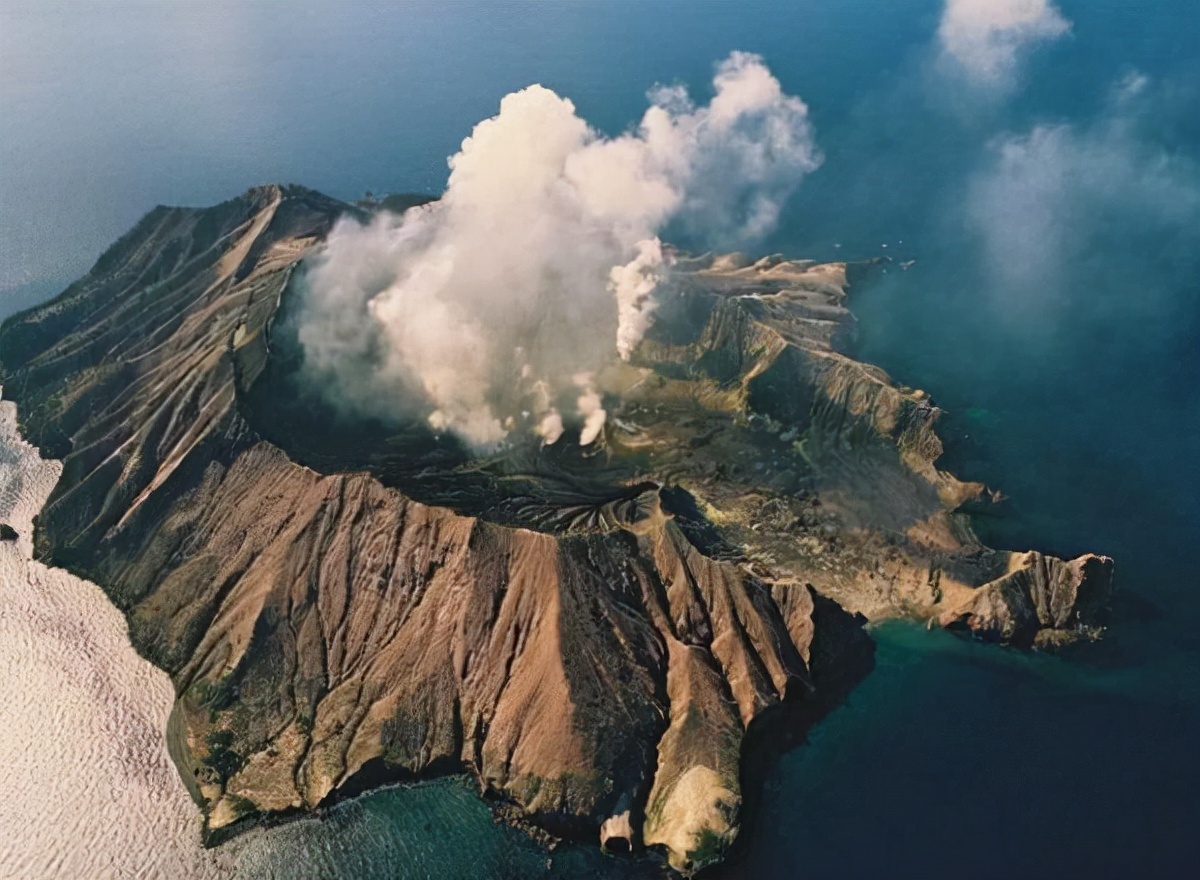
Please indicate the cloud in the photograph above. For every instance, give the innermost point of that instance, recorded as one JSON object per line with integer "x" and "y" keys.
{"x": 1071, "y": 212}
{"x": 492, "y": 309}
{"x": 985, "y": 39}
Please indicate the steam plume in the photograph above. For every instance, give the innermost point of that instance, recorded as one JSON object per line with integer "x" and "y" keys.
{"x": 984, "y": 38}
{"x": 1052, "y": 200}
{"x": 491, "y": 309}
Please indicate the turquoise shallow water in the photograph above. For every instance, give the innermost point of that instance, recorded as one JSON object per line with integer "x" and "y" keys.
{"x": 439, "y": 829}
{"x": 1053, "y": 311}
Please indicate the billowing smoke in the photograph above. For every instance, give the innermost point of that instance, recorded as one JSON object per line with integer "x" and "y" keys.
{"x": 985, "y": 38}
{"x": 493, "y": 309}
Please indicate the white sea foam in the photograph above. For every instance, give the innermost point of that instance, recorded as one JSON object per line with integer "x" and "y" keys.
{"x": 87, "y": 789}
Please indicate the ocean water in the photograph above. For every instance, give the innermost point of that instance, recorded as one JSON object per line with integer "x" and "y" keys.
{"x": 1053, "y": 310}
{"x": 89, "y": 790}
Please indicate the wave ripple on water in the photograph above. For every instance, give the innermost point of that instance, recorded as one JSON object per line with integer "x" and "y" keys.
{"x": 88, "y": 787}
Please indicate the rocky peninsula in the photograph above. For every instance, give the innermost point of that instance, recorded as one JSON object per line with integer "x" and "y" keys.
{"x": 592, "y": 637}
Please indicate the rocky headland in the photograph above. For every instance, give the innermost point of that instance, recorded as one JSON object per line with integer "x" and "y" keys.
{"x": 593, "y": 636}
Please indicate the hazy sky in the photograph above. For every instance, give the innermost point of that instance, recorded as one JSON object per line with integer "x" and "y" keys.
{"x": 109, "y": 108}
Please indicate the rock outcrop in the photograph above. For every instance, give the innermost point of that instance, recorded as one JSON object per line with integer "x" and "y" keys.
{"x": 823, "y": 471}
{"x": 598, "y": 667}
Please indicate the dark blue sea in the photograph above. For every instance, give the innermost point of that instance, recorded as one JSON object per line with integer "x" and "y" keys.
{"x": 1053, "y": 311}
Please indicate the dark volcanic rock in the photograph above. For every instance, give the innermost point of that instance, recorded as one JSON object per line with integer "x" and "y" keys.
{"x": 8, "y": 533}
{"x": 596, "y": 664}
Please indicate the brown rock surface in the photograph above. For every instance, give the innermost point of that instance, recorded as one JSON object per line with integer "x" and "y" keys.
{"x": 824, "y": 471}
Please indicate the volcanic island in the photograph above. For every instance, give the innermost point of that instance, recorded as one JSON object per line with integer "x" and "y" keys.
{"x": 606, "y": 638}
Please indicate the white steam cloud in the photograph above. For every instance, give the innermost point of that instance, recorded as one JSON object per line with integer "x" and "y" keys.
{"x": 492, "y": 309}
{"x": 1054, "y": 204}
{"x": 985, "y": 38}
